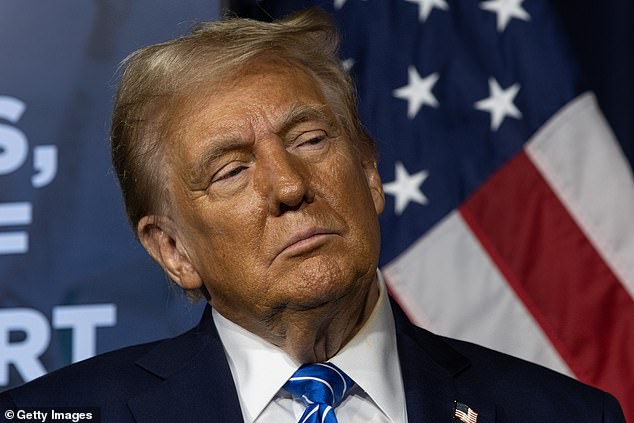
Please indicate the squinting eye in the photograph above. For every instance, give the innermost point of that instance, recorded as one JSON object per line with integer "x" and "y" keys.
{"x": 315, "y": 140}
{"x": 311, "y": 139}
{"x": 230, "y": 173}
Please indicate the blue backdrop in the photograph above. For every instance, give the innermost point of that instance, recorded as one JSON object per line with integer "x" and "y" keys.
{"x": 72, "y": 279}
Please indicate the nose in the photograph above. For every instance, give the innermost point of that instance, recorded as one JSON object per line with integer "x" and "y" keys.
{"x": 284, "y": 180}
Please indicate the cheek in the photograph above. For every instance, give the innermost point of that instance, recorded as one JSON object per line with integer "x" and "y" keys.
{"x": 227, "y": 263}
{"x": 346, "y": 190}
{"x": 350, "y": 190}
{"x": 226, "y": 237}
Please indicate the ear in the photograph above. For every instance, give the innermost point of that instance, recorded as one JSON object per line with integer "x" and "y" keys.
{"x": 374, "y": 183}
{"x": 161, "y": 240}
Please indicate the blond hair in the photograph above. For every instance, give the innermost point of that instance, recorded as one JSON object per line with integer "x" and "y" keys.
{"x": 153, "y": 77}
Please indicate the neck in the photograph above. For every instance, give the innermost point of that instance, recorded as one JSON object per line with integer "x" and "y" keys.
{"x": 315, "y": 334}
{"x": 311, "y": 336}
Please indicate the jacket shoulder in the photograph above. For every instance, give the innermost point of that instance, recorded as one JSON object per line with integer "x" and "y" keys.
{"x": 96, "y": 381}
{"x": 522, "y": 387}
{"x": 515, "y": 390}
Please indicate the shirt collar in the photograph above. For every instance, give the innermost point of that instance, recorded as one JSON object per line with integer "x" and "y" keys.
{"x": 379, "y": 373}
{"x": 260, "y": 369}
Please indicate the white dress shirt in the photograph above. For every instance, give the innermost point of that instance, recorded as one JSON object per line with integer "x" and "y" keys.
{"x": 260, "y": 369}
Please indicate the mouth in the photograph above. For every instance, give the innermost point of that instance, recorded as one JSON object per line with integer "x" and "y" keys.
{"x": 305, "y": 241}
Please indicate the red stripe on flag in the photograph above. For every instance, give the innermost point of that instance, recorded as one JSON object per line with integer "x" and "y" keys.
{"x": 571, "y": 292}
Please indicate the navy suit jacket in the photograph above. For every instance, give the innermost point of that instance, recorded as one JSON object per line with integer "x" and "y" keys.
{"x": 187, "y": 379}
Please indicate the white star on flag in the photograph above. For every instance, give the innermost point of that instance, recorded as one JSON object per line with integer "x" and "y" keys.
{"x": 499, "y": 103}
{"x": 339, "y": 4}
{"x": 406, "y": 188}
{"x": 425, "y": 7}
{"x": 506, "y": 10}
{"x": 347, "y": 64}
{"x": 417, "y": 92}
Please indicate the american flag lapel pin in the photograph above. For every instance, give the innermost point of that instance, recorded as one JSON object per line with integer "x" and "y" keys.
{"x": 464, "y": 413}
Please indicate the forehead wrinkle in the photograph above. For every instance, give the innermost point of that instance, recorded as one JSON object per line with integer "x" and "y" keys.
{"x": 257, "y": 119}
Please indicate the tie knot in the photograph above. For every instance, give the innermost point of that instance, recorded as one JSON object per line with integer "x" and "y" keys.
{"x": 321, "y": 383}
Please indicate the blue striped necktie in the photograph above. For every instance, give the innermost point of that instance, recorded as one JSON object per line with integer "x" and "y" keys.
{"x": 321, "y": 386}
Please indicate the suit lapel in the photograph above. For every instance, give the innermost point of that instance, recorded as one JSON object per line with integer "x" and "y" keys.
{"x": 195, "y": 382}
{"x": 431, "y": 372}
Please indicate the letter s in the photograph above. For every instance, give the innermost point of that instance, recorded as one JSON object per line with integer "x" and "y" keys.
{"x": 13, "y": 143}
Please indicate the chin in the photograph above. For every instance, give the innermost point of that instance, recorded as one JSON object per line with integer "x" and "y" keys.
{"x": 321, "y": 280}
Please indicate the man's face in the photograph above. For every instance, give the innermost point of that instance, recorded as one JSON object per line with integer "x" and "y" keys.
{"x": 271, "y": 202}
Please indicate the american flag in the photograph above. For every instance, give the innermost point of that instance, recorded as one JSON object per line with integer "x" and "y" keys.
{"x": 509, "y": 214}
{"x": 465, "y": 414}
